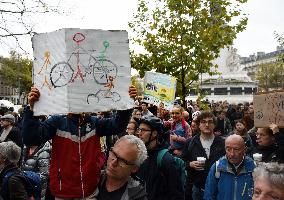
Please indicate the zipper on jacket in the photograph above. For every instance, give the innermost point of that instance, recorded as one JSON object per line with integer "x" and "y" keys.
{"x": 80, "y": 160}
{"x": 235, "y": 188}
{"x": 59, "y": 178}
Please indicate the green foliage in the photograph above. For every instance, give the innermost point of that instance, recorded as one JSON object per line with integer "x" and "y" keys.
{"x": 270, "y": 76}
{"x": 138, "y": 85}
{"x": 17, "y": 71}
{"x": 182, "y": 37}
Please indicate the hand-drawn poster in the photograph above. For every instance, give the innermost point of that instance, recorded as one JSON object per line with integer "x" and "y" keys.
{"x": 158, "y": 88}
{"x": 81, "y": 70}
{"x": 268, "y": 108}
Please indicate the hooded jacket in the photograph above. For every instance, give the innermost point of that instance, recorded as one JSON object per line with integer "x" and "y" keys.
{"x": 228, "y": 185}
{"x": 76, "y": 148}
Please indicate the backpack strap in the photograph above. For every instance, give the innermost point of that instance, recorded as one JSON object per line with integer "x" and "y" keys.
{"x": 217, "y": 172}
{"x": 160, "y": 156}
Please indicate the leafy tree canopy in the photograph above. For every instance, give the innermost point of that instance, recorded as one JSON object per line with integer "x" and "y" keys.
{"x": 17, "y": 71}
{"x": 182, "y": 37}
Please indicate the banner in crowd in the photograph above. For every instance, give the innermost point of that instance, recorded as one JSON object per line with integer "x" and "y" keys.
{"x": 81, "y": 70}
{"x": 269, "y": 108}
{"x": 159, "y": 88}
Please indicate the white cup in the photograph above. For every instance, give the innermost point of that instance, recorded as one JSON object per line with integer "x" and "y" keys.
{"x": 257, "y": 157}
{"x": 201, "y": 160}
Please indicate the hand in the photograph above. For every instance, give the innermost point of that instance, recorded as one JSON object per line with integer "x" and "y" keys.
{"x": 196, "y": 165}
{"x": 173, "y": 137}
{"x": 274, "y": 128}
{"x": 132, "y": 92}
{"x": 33, "y": 96}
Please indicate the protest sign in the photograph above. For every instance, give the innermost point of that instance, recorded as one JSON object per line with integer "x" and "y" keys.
{"x": 159, "y": 88}
{"x": 269, "y": 108}
{"x": 81, "y": 70}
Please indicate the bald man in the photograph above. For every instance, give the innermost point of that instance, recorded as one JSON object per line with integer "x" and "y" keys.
{"x": 231, "y": 176}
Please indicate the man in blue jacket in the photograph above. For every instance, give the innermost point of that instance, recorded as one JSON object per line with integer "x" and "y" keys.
{"x": 231, "y": 176}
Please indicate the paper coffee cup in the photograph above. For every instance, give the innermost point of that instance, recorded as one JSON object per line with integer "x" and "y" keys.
{"x": 257, "y": 157}
{"x": 201, "y": 160}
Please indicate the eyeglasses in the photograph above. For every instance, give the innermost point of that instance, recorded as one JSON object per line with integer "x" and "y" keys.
{"x": 207, "y": 122}
{"x": 120, "y": 161}
{"x": 143, "y": 130}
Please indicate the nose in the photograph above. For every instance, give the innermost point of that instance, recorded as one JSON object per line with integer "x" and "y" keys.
{"x": 114, "y": 162}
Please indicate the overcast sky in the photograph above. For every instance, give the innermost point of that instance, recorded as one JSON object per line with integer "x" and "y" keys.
{"x": 265, "y": 17}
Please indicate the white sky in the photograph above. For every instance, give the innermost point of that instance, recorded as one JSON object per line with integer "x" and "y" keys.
{"x": 265, "y": 17}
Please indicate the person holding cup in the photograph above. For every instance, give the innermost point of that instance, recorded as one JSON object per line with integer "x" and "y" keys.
{"x": 202, "y": 151}
{"x": 270, "y": 144}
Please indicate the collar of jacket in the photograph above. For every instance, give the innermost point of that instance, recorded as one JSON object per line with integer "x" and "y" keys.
{"x": 247, "y": 167}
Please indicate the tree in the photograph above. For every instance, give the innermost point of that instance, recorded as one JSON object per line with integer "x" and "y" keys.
{"x": 270, "y": 76}
{"x": 17, "y": 72}
{"x": 182, "y": 37}
{"x": 18, "y": 17}
{"x": 137, "y": 83}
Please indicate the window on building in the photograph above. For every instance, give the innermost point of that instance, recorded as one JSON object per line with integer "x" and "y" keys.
{"x": 235, "y": 90}
{"x": 193, "y": 92}
{"x": 206, "y": 91}
{"x": 220, "y": 91}
{"x": 248, "y": 90}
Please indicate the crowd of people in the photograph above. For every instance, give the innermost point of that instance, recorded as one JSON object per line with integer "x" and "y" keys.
{"x": 149, "y": 152}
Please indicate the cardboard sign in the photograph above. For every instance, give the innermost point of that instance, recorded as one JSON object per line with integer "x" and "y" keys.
{"x": 81, "y": 70}
{"x": 159, "y": 88}
{"x": 269, "y": 108}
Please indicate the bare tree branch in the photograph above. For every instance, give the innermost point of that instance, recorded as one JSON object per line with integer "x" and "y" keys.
{"x": 17, "y": 18}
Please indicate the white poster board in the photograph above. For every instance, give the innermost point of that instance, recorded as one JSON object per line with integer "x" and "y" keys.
{"x": 268, "y": 108}
{"x": 81, "y": 70}
{"x": 159, "y": 88}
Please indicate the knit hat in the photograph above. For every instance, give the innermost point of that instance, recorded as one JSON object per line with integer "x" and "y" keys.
{"x": 8, "y": 117}
{"x": 10, "y": 151}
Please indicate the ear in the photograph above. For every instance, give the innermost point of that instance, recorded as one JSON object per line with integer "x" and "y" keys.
{"x": 154, "y": 134}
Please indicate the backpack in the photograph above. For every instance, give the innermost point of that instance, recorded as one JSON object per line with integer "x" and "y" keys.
{"x": 179, "y": 163}
{"x": 32, "y": 179}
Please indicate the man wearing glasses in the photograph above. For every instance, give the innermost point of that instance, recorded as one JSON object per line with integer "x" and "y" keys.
{"x": 125, "y": 158}
{"x": 203, "y": 150}
{"x": 162, "y": 182}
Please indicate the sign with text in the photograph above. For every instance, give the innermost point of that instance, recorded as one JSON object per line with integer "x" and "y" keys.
{"x": 81, "y": 70}
{"x": 269, "y": 108}
{"x": 159, "y": 88}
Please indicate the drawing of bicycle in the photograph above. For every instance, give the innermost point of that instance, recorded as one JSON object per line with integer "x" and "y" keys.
{"x": 102, "y": 93}
{"x": 62, "y": 73}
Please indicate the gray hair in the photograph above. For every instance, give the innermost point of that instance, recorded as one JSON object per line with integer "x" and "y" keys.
{"x": 273, "y": 172}
{"x": 10, "y": 151}
{"x": 141, "y": 148}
